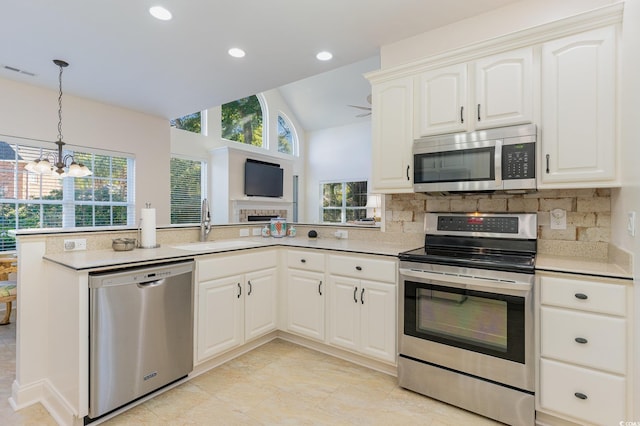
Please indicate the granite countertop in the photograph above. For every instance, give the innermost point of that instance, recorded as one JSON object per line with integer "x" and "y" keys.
{"x": 576, "y": 265}
{"x": 95, "y": 259}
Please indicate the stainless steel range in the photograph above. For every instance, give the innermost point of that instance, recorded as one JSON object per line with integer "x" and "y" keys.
{"x": 466, "y": 314}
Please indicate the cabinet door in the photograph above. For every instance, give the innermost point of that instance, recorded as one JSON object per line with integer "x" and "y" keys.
{"x": 503, "y": 89}
{"x": 392, "y": 120}
{"x": 260, "y": 309}
{"x": 220, "y": 314}
{"x": 378, "y": 320}
{"x": 442, "y": 101}
{"x": 578, "y": 132}
{"x": 344, "y": 312}
{"x": 305, "y": 303}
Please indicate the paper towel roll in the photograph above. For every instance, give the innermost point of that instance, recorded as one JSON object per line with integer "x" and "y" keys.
{"x": 148, "y": 228}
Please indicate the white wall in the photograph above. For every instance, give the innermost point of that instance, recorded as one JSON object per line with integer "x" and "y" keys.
{"x": 628, "y": 197}
{"x": 31, "y": 112}
{"x": 336, "y": 154}
{"x": 513, "y": 17}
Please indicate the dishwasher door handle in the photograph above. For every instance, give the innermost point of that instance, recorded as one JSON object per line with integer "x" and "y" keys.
{"x": 150, "y": 284}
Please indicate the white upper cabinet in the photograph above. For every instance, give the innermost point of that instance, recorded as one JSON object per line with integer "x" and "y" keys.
{"x": 501, "y": 95}
{"x": 578, "y": 128}
{"x": 503, "y": 90}
{"x": 442, "y": 100}
{"x": 392, "y": 119}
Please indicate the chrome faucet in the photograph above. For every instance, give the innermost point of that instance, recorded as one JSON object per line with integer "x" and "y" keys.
{"x": 205, "y": 221}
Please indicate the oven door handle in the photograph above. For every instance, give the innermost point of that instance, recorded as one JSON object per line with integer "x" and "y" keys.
{"x": 468, "y": 283}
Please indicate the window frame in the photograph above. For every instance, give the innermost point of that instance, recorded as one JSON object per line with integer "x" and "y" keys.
{"x": 67, "y": 185}
{"x": 343, "y": 208}
{"x": 294, "y": 135}
{"x": 265, "y": 125}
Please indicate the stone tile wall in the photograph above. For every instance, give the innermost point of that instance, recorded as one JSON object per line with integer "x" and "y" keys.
{"x": 588, "y": 216}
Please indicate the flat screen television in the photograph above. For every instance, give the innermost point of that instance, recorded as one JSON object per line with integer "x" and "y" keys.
{"x": 262, "y": 179}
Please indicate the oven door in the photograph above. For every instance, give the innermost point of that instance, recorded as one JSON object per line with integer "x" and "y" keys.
{"x": 472, "y": 166}
{"x": 469, "y": 322}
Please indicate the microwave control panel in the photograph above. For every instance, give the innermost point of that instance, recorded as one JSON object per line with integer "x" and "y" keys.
{"x": 519, "y": 161}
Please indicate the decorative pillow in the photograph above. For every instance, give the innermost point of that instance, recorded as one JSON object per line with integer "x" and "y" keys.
{"x": 8, "y": 288}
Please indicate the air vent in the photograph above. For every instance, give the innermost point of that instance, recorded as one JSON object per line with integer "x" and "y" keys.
{"x": 18, "y": 70}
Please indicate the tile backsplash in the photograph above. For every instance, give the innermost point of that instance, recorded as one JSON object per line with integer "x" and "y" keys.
{"x": 588, "y": 228}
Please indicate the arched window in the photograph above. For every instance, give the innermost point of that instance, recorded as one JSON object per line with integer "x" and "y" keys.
{"x": 242, "y": 121}
{"x": 287, "y": 140}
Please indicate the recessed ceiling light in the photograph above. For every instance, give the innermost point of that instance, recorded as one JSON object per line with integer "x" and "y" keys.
{"x": 236, "y": 52}
{"x": 324, "y": 56}
{"x": 160, "y": 13}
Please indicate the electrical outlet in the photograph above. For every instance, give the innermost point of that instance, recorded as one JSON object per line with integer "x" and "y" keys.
{"x": 75, "y": 244}
{"x": 631, "y": 223}
{"x": 341, "y": 234}
{"x": 256, "y": 232}
{"x": 244, "y": 232}
{"x": 558, "y": 219}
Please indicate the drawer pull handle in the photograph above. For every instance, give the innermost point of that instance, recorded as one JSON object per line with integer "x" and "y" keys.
{"x": 581, "y": 296}
{"x": 239, "y": 290}
{"x": 250, "y": 288}
{"x": 478, "y": 112}
{"x": 362, "y": 296}
{"x": 358, "y": 268}
{"x": 303, "y": 260}
{"x": 355, "y": 294}
{"x": 462, "y": 114}
{"x": 320, "y": 288}
{"x": 581, "y": 340}
{"x": 580, "y": 395}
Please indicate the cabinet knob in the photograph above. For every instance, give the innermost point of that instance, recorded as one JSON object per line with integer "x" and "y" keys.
{"x": 303, "y": 260}
{"x": 581, "y": 340}
{"x": 581, "y": 296}
{"x": 358, "y": 268}
{"x": 580, "y": 395}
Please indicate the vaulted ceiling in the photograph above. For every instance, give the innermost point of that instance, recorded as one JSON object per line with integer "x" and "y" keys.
{"x": 119, "y": 54}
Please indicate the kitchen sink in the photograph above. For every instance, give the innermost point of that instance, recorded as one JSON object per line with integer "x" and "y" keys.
{"x": 218, "y": 245}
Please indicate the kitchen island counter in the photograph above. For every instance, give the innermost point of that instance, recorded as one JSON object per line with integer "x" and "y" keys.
{"x": 95, "y": 259}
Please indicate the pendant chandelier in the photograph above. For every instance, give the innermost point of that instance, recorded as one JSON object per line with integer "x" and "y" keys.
{"x": 51, "y": 163}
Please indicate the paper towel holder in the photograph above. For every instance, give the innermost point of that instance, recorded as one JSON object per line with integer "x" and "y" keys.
{"x": 147, "y": 205}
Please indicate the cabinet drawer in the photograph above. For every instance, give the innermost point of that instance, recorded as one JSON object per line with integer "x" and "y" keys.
{"x": 305, "y": 260}
{"x": 223, "y": 265}
{"x": 603, "y": 338}
{"x": 607, "y": 298}
{"x": 585, "y": 394}
{"x": 364, "y": 268}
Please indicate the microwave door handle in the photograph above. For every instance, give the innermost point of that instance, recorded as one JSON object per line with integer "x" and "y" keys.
{"x": 498, "y": 164}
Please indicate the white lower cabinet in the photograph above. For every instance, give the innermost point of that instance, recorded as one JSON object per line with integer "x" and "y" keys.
{"x": 361, "y": 312}
{"x": 583, "y": 350}
{"x": 305, "y": 293}
{"x": 237, "y": 307}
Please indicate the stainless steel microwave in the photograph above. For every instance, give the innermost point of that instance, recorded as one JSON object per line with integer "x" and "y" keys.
{"x": 486, "y": 160}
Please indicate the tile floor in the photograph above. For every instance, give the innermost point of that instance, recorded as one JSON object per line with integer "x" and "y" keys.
{"x": 278, "y": 383}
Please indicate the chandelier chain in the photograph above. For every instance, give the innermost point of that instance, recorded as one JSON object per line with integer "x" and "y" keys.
{"x": 60, "y": 104}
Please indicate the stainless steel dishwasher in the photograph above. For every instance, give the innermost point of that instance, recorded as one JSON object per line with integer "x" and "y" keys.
{"x": 141, "y": 332}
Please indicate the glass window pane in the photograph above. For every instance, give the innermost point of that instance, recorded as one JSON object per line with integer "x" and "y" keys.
{"x": 332, "y": 195}
{"x": 356, "y": 194}
{"x": 7, "y": 223}
{"x": 242, "y": 121}
{"x": 119, "y": 215}
{"x": 186, "y": 191}
{"x": 84, "y": 215}
{"x": 356, "y": 214}
{"x": 332, "y": 215}
{"x": 52, "y": 216}
{"x": 190, "y": 122}
{"x": 285, "y": 136}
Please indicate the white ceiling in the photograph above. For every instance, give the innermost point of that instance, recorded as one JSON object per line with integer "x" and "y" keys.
{"x": 120, "y": 55}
